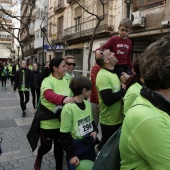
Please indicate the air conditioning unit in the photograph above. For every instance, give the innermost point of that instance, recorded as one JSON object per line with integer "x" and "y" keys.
{"x": 138, "y": 19}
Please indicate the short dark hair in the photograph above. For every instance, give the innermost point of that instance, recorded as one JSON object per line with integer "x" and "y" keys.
{"x": 77, "y": 84}
{"x": 155, "y": 64}
{"x": 55, "y": 62}
{"x": 127, "y": 23}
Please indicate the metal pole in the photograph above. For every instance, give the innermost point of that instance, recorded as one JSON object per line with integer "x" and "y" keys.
{"x": 128, "y": 3}
{"x": 128, "y": 10}
{"x": 18, "y": 54}
{"x": 43, "y": 51}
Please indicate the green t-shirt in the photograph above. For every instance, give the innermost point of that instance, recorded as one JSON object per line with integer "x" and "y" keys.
{"x": 145, "y": 138}
{"x": 59, "y": 87}
{"x": 69, "y": 76}
{"x": 132, "y": 93}
{"x": 10, "y": 70}
{"x": 109, "y": 115}
{"x": 76, "y": 121}
{"x": 23, "y": 82}
{"x": 4, "y": 71}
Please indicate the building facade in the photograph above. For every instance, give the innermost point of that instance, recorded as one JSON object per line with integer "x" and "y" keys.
{"x": 69, "y": 27}
{"x": 41, "y": 30}
{"x": 27, "y": 34}
{"x": 6, "y": 39}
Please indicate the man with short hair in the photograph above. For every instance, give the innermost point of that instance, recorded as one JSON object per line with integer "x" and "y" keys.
{"x": 110, "y": 92}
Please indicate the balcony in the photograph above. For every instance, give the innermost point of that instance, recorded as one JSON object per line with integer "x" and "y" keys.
{"x": 6, "y": 1}
{"x": 59, "y": 7}
{"x": 71, "y": 2}
{"x": 58, "y": 38}
{"x": 86, "y": 29}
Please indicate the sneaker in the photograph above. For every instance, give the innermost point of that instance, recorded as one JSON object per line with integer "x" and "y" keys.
{"x": 23, "y": 114}
{"x": 96, "y": 149}
{"x": 37, "y": 164}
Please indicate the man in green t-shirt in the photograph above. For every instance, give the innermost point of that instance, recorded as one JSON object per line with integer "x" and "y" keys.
{"x": 110, "y": 92}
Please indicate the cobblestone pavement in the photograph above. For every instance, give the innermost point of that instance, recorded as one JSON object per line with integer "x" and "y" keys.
{"x": 17, "y": 154}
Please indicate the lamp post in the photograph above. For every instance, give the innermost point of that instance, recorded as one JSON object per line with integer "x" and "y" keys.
{"x": 128, "y": 3}
{"x": 43, "y": 34}
{"x": 18, "y": 52}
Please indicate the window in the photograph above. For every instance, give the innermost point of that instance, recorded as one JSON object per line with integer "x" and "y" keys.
{"x": 77, "y": 24}
{"x": 60, "y": 26}
{"x": 60, "y": 2}
{"x": 142, "y": 3}
{"x": 78, "y": 15}
{"x": 50, "y": 28}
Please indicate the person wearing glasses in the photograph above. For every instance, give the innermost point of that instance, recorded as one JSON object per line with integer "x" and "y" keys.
{"x": 121, "y": 45}
{"x": 70, "y": 64}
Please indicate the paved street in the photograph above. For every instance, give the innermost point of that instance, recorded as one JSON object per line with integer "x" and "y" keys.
{"x": 17, "y": 154}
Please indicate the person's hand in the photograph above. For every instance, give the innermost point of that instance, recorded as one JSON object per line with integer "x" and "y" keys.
{"x": 123, "y": 86}
{"x": 124, "y": 77}
{"x": 68, "y": 100}
{"x": 98, "y": 54}
{"x": 34, "y": 111}
{"x": 74, "y": 161}
{"x": 133, "y": 71}
{"x": 94, "y": 134}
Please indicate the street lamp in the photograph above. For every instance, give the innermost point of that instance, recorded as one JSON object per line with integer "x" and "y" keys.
{"x": 128, "y": 3}
{"x": 43, "y": 30}
{"x": 18, "y": 52}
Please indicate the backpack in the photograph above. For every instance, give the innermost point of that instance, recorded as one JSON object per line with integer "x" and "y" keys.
{"x": 4, "y": 72}
{"x": 109, "y": 156}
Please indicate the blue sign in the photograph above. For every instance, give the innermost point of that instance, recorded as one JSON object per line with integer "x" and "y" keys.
{"x": 54, "y": 47}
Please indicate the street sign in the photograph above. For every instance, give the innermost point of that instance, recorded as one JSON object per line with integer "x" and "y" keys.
{"x": 54, "y": 47}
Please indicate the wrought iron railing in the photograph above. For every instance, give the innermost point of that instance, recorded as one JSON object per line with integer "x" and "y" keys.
{"x": 57, "y": 38}
{"x": 59, "y": 6}
{"x": 86, "y": 28}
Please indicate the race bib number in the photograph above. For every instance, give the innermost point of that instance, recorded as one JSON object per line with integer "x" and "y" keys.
{"x": 85, "y": 126}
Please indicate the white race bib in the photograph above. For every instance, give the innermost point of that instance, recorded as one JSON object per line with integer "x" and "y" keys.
{"x": 85, "y": 126}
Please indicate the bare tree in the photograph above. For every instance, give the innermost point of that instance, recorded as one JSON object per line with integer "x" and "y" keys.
{"x": 99, "y": 19}
{"x": 24, "y": 21}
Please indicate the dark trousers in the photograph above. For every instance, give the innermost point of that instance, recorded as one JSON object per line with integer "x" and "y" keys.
{"x": 107, "y": 132}
{"x": 4, "y": 81}
{"x": 12, "y": 79}
{"x": 119, "y": 69}
{"x": 47, "y": 136}
{"x": 33, "y": 91}
{"x": 23, "y": 100}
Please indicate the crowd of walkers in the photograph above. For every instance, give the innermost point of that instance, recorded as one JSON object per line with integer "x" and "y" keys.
{"x": 136, "y": 98}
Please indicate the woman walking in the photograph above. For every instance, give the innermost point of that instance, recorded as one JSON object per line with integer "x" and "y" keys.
{"x": 54, "y": 92}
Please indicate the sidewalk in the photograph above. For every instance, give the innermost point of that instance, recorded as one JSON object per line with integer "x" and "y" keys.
{"x": 17, "y": 153}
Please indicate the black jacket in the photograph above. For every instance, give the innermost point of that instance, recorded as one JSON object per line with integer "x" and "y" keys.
{"x": 14, "y": 67}
{"x": 19, "y": 78}
{"x": 34, "y": 133}
{"x": 36, "y": 83}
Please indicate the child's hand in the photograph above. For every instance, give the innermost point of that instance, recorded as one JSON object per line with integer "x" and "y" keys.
{"x": 98, "y": 54}
{"x": 124, "y": 77}
{"x": 94, "y": 134}
{"x": 74, "y": 161}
